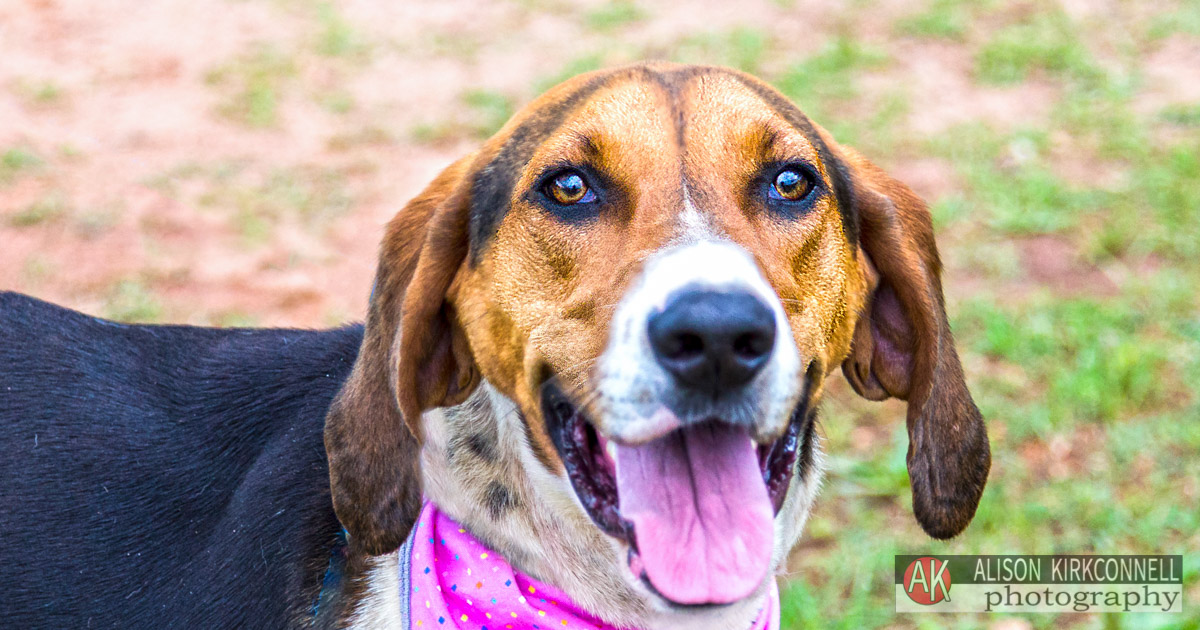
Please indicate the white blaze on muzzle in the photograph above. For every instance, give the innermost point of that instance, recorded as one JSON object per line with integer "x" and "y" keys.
{"x": 687, "y": 469}
{"x": 631, "y": 384}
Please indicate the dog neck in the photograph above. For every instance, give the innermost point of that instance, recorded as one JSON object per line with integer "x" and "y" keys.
{"x": 446, "y": 575}
{"x": 480, "y": 471}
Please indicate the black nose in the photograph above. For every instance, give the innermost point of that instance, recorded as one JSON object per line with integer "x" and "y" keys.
{"x": 713, "y": 340}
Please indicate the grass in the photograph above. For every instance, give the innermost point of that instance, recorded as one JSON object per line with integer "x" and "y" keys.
{"x": 370, "y": 135}
{"x": 743, "y": 48}
{"x": 1168, "y": 184}
{"x": 252, "y": 85}
{"x": 573, "y": 67}
{"x": 1185, "y": 19}
{"x": 1047, "y": 42}
{"x": 40, "y": 93}
{"x": 1090, "y": 361}
{"x": 256, "y": 203}
{"x": 1182, "y": 115}
{"x": 488, "y": 111}
{"x": 132, "y": 301}
{"x": 829, "y": 73}
{"x": 310, "y": 197}
{"x": 16, "y": 161}
{"x": 1012, "y": 181}
{"x": 826, "y": 81}
{"x": 613, "y": 15}
{"x": 943, "y": 19}
{"x": 37, "y": 269}
{"x": 337, "y": 102}
{"x": 48, "y": 208}
{"x": 482, "y": 114}
{"x": 1082, "y": 390}
{"x": 337, "y": 37}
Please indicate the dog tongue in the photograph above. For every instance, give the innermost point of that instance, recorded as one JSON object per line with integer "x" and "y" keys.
{"x": 700, "y": 510}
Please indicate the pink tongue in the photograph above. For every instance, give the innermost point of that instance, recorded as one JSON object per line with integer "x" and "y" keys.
{"x": 700, "y": 510}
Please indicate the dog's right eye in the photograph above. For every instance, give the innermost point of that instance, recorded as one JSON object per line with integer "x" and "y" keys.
{"x": 568, "y": 188}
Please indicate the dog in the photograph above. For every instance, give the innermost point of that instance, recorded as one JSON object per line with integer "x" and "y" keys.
{"x": 591, "y": 360}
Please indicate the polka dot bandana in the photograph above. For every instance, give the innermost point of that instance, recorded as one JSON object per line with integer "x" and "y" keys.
{"x": 454, "y": 581}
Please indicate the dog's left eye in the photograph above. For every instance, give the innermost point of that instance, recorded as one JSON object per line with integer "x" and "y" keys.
{"x": 790, "y": 184}
{"x": 569, "y": 188}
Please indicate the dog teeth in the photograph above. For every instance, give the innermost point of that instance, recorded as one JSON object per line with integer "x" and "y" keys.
{"x": 611, "y": 449}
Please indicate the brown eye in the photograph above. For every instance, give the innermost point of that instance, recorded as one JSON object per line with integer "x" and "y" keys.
{"x": 791, "y": 185}
{"x": 569, "y": 188}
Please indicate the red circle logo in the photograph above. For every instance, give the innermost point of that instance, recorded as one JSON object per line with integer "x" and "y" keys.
{"x": 927, "y": 581}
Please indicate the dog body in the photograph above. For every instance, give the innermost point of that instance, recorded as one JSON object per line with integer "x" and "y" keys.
{"x": 598, "y": 343}
{"x": 163, "y": 476}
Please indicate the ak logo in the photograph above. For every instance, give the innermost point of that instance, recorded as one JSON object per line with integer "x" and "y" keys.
{"x": 927, "y": 581}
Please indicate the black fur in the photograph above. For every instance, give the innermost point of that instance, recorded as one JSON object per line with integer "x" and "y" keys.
{"x": 499, "y": 499}
{"x": 163, "y": 476}
{"x": 484, "y": 445}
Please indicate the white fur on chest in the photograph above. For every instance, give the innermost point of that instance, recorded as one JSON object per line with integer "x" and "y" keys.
{"x": 380, "y": 607}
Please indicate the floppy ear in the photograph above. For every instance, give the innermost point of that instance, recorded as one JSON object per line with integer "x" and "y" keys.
{"x": 903, "y": 348}
{"x": 414, "y": 356}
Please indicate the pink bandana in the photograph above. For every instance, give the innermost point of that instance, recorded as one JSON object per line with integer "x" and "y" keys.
{"x": 453, "y": 581}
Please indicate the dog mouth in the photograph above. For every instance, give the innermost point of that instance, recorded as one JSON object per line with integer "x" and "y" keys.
{"x": 695, "y": 506}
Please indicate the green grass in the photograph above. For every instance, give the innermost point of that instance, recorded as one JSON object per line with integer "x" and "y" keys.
{"x": 370, "y": 135}
{"x": 252, "y": 85}
{"x": 40, "y": 93}
{"x": 48, "y": 208}
{"x": 1182, "y": 115}
{"x": 337, "y": 102}
{"x": 16, "y": 161}
{"x": 310, "y": 197}
{"x": 1168, "y": 185}
{"x": 235, "y": 319}
{"x": 822, "y": 83}
{"x": 482, "y": 113}
{"x": 613, "y": 15}
{"x": 1088, "y": 361}
{"x": 337, "y": 37}
{"x": 1183, "y": 20}
{"x": 37, "y": 269}
{"x": 256, "y": 203}
{"x": 831, "y": 71}
{"x": 943, "y": 19}
{"x": 743, "y": 48}
{"x": 1047, "y": 42}
{"x": 1011, "y": 181}
{"x": 1091, "y": 395}
{"x": 488, "y": 111}
{"x": 573, "y": 67}
{"x": 132, "y": 301}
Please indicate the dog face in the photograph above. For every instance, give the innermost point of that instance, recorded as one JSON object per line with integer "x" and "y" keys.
{"x": 658, "y": 266}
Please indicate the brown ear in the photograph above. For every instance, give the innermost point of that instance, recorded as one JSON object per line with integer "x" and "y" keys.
{"x": 903, "y": 348}
{"x": 413, "y": 357}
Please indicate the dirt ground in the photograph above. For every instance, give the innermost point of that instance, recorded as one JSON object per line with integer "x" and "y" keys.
{"x": 157, "y": 197}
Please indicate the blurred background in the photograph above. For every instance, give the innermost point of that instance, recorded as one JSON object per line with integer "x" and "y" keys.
{"x": 232, "y": 162}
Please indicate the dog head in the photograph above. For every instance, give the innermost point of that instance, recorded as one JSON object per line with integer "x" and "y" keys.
{"x": 658, "y": 266}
